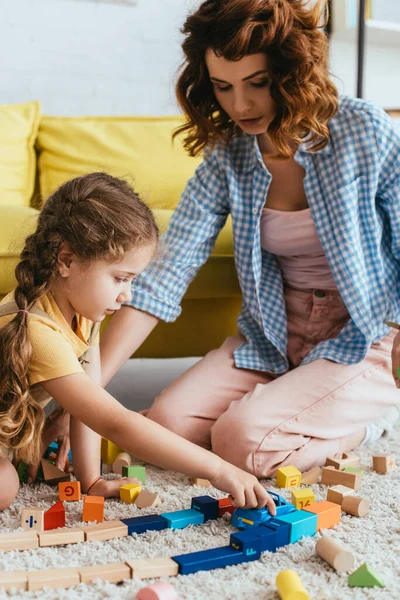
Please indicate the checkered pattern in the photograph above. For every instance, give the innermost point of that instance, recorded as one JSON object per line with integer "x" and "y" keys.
{"x": 353, "y": 190}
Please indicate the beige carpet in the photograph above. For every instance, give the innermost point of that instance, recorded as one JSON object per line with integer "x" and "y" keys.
{"x": 374, "y": 539}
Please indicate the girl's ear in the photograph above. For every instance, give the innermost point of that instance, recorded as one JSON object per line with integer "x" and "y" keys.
{"x": 64, "y": 260}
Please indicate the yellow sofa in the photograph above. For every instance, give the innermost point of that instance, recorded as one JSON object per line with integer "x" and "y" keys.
{"x": 38, "y": 153}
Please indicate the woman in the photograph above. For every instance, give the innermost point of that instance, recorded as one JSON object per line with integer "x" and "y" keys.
{"x": 313, "y": 186}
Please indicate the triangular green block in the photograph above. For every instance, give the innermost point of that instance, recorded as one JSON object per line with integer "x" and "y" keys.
{"x": 364, "y": 576}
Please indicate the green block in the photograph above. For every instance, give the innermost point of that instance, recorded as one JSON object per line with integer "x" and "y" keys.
{"x": 354, "y": 470}
{"x": 135, "y": 471}
{"x": 364, "y": 576}
{"x": 398, "y": 372}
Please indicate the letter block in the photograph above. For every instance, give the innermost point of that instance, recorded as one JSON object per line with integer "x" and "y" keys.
{"x": 302, "y": 498}
{"x": 287, "y": 477}
{"x": 70, "y": 491}
{"x": 33, "y": 518}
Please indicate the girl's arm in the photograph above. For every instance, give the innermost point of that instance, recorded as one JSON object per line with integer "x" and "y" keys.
{"x": 149, "y": 441}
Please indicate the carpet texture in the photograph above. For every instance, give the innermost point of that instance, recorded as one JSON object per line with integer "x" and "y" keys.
{"x": 374, "y": 539}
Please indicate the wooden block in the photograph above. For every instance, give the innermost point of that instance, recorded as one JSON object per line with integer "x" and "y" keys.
{"x": 287, "y": 477}
{"x": 53, "y": 578}
{"x": 338, "y": 492}
{"x": 200, "y": 482}
{"x": 335, "y": 554}
{"x": 364, "y": 576}
{"x": 129, "y": 492}
{"x": 312, "y": 476}
{"x": 55, "y": 516}
{"x": 332, "y": 476}
{"x": 61, "y": 537}
{"x": 302, "y": 498}
{"x": 70, "y": 492}
{"x": 52, "y": 475}
{"x": 162, "y": 590}
{"x": 356, "y": 506}
{"x": 146, "y": 568}
{"x": 93, "y": 508}
{"x": 20, "y": 540}
{"x": 328, "y": 513}
{"x": 123, "y": 459}
{"x": 105, "y": 531}
{"x": 33, "y": 518}
{"x": 14, "y": 579}
{"x": 290, "y": 586}
{"x": 383, "y": 463}
{"x": 354, "y": 470}
{"x": 109, "y": 451}
{"x": 225, "y": 505}
{"x": 137, "y": 471}
{"x": 113, "y": 572}
{"x": 347, "y": 460}
{"x": 146, "y": 499}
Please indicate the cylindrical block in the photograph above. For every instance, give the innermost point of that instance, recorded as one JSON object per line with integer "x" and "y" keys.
{"x": 335, "y": 554}
{"x": 354, "y": 505}
{"x": 290, "y": 586}
{"x": 123, "y": 460}
{"x": 161, "y": 589}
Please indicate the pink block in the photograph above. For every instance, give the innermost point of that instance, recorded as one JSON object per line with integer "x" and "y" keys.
{"x": 158, "y": 591}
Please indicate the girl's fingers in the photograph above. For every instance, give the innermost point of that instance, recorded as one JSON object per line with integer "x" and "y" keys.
{"x": 63, "y": 449}
{"x": 251, "y": 498}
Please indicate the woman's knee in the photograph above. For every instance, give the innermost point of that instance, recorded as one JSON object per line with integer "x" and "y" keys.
{"x": 10, "y": 483}
{"x": 231, "y": 440}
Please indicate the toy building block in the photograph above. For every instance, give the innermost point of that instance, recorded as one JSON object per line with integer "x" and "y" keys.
{"x": 359, "y": 507}
{"x": 328, "y": 514}
{"x": 129, "y": 492}
{"x": 335, "y": 554}
{"x": 61, "y": 537}
{"x": 52, "y": 578}
{"x": 353, "y": 470}
{"x": 205, "y": 560}
{"x": 162, "y": 590}
{"x": 109, "y": 451}
{"x": 364, "y": 576}
{"x": 254, "y": 539}
{"x": 383, "y": 463}
{"x": 347, "y": 460}
{"x": 200, "y": 482}
{"x": 311, "y": 476}
{"x": 93, "y": 508}
{"x": 282, "y": 531}
{"x": 147, "y": 568}
{"x": 137, "y": 471}
{"x": 303, "y": 523}
{"x": 145, "y": 523}
{"x": 123, "y": 459}
{"x": 70, "y": 492}
{"x": 290, "y": 586}
{"x": 225, "y": 506}
{"x": 55, "y": 516}
{"x": 332, "y": 476}
{"x": 20, "y": 540}
{"x": 33, "y": 518}
{"x": 145, "y": 499}
{"x": 302, "y": 498}
{"x": 287, "y": 477}
{"x": 112, "y": 572}
{"x": 180, "y": 519}
{"x": 338, "y": 492}
{"x": 207, "y": 505}
{"x": 14, "y": 579}
{"x": 52, "y": 475}
{"x": 105, "y": 531}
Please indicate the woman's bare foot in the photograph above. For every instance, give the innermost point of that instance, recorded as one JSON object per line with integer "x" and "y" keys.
{"x": 109, "y": 488}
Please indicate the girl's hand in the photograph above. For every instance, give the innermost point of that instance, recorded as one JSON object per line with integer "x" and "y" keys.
{"x": 396, "y": 360}
{"x": 56, "y": 429}
{"x": 245, "y": 491}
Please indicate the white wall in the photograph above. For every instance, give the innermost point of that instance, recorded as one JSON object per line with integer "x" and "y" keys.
{"x": 96, "y": 58}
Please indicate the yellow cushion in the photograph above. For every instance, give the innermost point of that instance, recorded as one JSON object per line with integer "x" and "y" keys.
{"x": 137, "y": 148}
{"x": 19, "y": 126}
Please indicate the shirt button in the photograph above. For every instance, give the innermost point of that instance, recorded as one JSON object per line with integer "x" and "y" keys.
{"x": 255, "y": 211}
{"x": 319, "y": 293}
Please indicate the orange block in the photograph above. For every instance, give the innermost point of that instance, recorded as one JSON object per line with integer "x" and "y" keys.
{"x": 328, "y": 513}
{"x": 69, "y": 491}
{"x": 224, "y": 505}
{"x": 93, "y": 508}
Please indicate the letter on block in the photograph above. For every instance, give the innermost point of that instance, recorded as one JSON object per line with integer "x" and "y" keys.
{"x": 302, "y": 498}
{"x": 33, "y": 518}
{"x": 70, "y": 491}
{"x": 287, "y": 477}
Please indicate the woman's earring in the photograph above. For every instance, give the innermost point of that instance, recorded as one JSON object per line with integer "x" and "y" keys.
{"x": 62, "y": 273}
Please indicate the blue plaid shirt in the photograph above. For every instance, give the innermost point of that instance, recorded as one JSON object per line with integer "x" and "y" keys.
{"x": 353, "y": 190}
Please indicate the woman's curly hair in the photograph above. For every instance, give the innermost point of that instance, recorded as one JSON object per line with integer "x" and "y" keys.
{"x": 291, "y": 35}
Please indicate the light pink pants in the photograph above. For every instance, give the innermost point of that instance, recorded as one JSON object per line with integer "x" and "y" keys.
{"x": 260, "y": 421}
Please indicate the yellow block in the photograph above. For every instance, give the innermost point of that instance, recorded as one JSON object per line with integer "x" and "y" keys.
{"x": 129, "y": 492}
{"x": 109, "y": 451}
{"x": 287, "y": 477}
{"x": 290, "y": 586}
{"x": 302, "y": 498}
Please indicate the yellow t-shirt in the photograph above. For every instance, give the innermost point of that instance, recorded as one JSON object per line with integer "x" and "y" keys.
{"x": 55, "y": 346}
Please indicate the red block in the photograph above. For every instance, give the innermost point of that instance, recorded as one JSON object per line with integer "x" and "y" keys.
{"x": 224, "y": 505}
{"x": 55, "y": 516}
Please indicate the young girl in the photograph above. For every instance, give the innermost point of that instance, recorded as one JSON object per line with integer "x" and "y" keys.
{"x": 94, "y": 235}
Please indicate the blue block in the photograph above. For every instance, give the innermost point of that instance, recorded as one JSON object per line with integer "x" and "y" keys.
{"x": 302, "y": 522}
{"x": 182, "y": 518}
{"x": 282, "y": 531}
{"x": 216, "y": 558}
{"x": 53, "y": 447}
{"x": 145, "y": 523}
{"x": 257, "y": 538}
{"x": 207, "y": 505}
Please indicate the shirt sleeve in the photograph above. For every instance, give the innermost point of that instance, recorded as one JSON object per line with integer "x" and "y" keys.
{"x": 187, "y": 243}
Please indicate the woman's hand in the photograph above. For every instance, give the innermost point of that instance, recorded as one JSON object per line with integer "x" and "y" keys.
{"x": 396, "y": 360}
{"x": 56, "y": 429}
{"x": 245, "y": 491}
